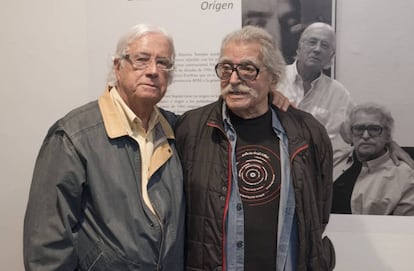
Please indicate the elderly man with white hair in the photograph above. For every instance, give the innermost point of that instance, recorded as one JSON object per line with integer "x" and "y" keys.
{"x": 310, "y": 90}
{"x": 366, "y": 181}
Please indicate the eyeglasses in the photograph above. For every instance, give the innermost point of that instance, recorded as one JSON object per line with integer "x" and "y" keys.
{"x": 311, "y": 42}
{"x": 246, "y": 72}
{"x": 141, "y": 62}
{"x": 373, "y": 130}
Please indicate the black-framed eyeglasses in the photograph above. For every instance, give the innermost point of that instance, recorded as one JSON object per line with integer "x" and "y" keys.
{"x": 373, "y": 130}
{"x": 246, "y": 72}
{"x": 141, "y": 62}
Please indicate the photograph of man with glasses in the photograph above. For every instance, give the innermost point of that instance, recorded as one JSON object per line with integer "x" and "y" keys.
{"x": 367, "y": 181}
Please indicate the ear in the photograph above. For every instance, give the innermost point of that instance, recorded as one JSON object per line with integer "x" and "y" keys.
{"x": 116, "y": 63}
{"x": 116, "y": 67}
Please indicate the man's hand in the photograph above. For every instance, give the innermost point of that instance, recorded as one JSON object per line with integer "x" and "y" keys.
{"x": 397, "y": 154}
{"x": 280, "y": 100}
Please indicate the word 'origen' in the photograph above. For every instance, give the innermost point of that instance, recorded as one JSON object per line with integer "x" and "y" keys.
{"x": 217, "y": 6}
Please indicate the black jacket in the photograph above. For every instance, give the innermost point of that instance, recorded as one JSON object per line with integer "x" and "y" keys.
{"x": 205, "y": 155}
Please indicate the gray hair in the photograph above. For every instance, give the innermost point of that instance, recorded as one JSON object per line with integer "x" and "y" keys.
{"x": 384, "y": 115}
{"x": 320, "y": 25}
{"x": 270, "y": 52}
{"x": 132, "y": 35}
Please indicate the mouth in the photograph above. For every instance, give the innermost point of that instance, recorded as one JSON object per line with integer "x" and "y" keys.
{"x": 314, "y": 58}
{"x": 237, "y": 92}
{"x": 150, "y": 85}
{"x": 365, "y": 145}
{"x": 237, "y": 95}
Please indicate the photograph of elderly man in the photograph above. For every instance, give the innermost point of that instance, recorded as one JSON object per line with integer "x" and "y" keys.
{"x": 367, "y": 181}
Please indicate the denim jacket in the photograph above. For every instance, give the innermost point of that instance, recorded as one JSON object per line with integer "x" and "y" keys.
{"x": 85, "y": 209}
{"x": 235, "y": 221}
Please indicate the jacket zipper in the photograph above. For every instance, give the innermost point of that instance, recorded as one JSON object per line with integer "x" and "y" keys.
{"x": 159, "y": 222}
{"x": 298, "y": 150}
{"x": 226, "y": 205}
{"x": 162, "y": 238}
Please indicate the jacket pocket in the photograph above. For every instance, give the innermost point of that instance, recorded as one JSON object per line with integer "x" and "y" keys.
{"x": 101, "y": 258}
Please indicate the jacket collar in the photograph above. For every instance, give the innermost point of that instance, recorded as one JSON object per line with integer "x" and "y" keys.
{"x": 375, "y": 163}
{"x": 113, "y": 122}
{"x": 290, "y": 123}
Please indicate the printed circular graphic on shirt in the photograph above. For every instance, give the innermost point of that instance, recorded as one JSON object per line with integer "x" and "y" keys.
{"x": 258, "y": 178}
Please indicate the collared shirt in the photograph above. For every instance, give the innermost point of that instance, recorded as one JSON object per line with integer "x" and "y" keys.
{"x": 382, "y": 188}
{"x": 134, "y": 127}
{"x": 327, "y": 100}
{"x": 286, "y": 233}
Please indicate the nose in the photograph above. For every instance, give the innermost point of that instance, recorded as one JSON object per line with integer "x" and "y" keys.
{"x": 317, "y": 47}
{"x": 152, "y": 67}
{"x": 365, "y": 134}
{"x": 234, "y": 78}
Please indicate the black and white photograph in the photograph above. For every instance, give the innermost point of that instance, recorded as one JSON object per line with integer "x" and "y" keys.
{"x": 366, "y": 180}
{"x": 307, "y": 37}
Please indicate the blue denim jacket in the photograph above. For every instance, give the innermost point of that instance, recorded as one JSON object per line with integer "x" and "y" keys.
{"x": 286, "y": 233}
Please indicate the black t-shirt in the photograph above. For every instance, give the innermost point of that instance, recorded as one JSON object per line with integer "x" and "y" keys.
{"x": 258, "y": 166}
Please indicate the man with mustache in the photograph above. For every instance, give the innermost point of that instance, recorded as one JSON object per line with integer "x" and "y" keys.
{"x": 257, "y": 180}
